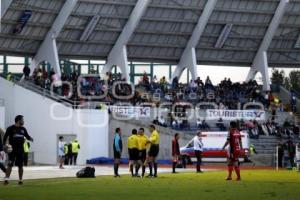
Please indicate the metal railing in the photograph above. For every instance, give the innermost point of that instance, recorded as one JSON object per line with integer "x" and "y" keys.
{"x": 43, "y": 91}
{"x": 53, "y": 96}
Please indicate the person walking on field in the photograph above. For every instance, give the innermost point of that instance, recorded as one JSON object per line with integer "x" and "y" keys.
{"x": 15, "y": 135}
{"x": 234, "y": 140}
{"x": 153, "y": 152}
{"x": 175, "y": 152}
{"x": 198, "y": 148}
{"x": 117, "y": 147}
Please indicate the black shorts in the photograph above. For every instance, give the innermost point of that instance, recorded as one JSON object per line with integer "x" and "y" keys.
{"x": 117, "y": 155}
{"x": 154, "y": 150}
{"x": 142, "y": 155}
{"x": 16, "y": 158}
{"x": 133, "y": 154}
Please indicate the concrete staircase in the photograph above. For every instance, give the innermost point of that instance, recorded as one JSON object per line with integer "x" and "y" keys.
{"x": 266, "y": 150}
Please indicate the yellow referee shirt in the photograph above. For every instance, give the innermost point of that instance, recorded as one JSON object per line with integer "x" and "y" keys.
{"x": 143, "y": 141}
{"x": 133, "y": 142}
{"x": 154, "y": 138}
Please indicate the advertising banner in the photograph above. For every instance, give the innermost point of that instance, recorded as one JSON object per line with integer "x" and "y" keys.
{"x": 236, "y": 114}
{"x": 131, "y": 111}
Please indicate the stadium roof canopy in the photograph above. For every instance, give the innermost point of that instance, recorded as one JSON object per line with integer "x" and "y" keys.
{"x": 232, "y": 36}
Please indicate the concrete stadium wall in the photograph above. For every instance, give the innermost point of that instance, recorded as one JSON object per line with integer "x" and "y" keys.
{"x": 166, "y": 137}
{"x": 2, "y": 117}
{"x": 45, "y": 120}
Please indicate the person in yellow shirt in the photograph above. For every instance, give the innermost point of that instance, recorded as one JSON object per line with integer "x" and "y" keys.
{"x": 153, "y": 152}
{"x": 75, "y": 150}
{"x": 26, "y": 147}
{"x": 133, "y": 151}
{"x": 143, "y": 141}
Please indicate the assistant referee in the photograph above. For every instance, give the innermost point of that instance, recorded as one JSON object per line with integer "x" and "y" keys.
{"x": 153, "y": 152}
{"x": 133, "y": 151}
{"x": 142, "y": 140}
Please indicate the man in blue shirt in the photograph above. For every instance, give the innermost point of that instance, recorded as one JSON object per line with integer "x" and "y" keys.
{"x": 118, "y": 146}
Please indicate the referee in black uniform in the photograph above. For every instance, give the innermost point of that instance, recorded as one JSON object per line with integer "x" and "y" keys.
{"x": 153, "y": 152}
{"x": 133, "y": 151}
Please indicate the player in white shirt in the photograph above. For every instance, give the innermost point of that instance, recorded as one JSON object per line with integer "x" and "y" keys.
{"x": 198, "y": 148}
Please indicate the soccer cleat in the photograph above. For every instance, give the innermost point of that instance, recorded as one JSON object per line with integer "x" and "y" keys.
{"x": 149, "y": 176}
{"x": 238, "y": 179}
{"x": 5, "y": 182}
{"x": 117, "y": 176}
{"x": 228, "y": 179}
{"x": 20, "y": 183}
{"x": 155, "y": 176}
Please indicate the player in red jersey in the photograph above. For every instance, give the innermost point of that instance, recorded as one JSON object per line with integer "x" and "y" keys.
{"x": 234, "y": 141}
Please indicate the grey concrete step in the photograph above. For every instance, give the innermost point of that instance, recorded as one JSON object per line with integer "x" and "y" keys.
{"x": 269, "y": 152}
{"x": 264, "y": 145}
{"x": 262, "y": 159}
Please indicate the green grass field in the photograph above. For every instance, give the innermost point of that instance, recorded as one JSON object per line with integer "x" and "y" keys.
{"x": 262, "y": 185}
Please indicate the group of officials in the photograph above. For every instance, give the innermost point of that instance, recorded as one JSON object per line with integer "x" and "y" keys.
{"x": 138, "y": 143}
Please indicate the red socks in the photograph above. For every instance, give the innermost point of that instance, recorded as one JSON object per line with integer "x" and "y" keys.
{"x": 237, "y": 171}
{"x": 230, "y": 169}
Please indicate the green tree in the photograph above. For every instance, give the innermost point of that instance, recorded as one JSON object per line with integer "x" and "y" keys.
{"x": 294, "y": 80}
{"x": 287, "y": 83}
{"x": 277, "y": 77}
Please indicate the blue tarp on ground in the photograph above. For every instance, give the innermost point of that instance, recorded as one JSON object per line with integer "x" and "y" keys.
{"x": 103, "y": 161}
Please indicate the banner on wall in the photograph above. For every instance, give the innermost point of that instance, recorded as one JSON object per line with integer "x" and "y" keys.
{"x": 131, "y": 111}
{"x": 236, "y": 114}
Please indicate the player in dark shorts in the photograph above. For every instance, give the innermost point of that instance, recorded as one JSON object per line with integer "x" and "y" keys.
{"x": 234, "y": 141}
{"x": 16, "y": 134}
{"x": 142, "y": 141}
{"x": 154, "y": 150}
{"x": 117, "y": 147}
{"x": 133, "y": 151}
